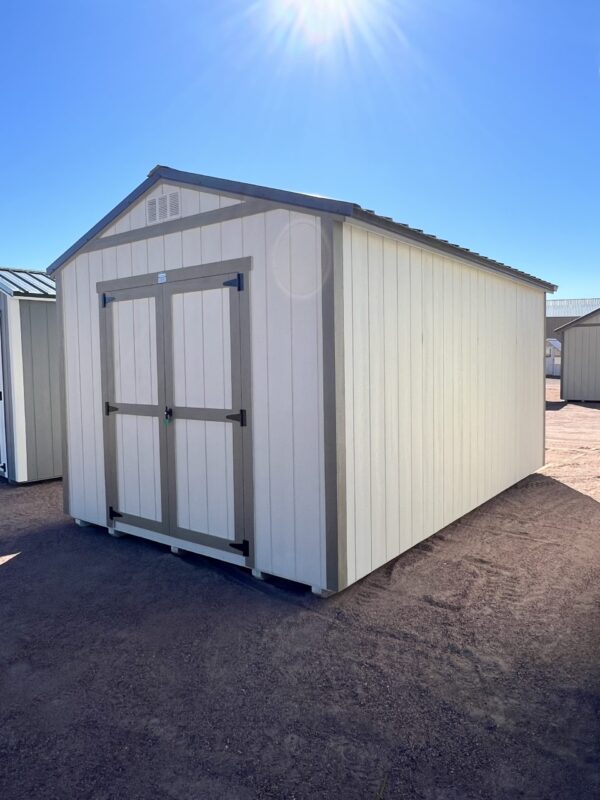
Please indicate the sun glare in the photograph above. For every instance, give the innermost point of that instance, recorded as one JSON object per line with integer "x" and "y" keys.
{"x": 318, "y": 23}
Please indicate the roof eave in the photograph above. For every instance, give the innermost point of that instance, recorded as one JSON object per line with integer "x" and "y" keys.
{"x": 104, "y": 222}
{"x": 420, "y": 237}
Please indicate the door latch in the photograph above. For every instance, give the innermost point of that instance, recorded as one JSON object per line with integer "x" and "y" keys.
{"x": 168, "y": 415}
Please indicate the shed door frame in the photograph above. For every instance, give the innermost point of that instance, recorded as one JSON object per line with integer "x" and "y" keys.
{"x": 113, "y": 408}
{"x": 162, "y": 287}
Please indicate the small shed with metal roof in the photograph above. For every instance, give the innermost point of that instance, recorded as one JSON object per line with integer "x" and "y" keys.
{"x": 30, "y": 414}
{"x": 561, "y": 312}
{"x": 580, "y": 372}
{"x": 288, "y": 382}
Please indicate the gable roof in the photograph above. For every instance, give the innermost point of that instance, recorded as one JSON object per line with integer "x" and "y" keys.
{"x": 26, "y": 283}
{"x": 578, "y": 321}
{"x": 313, "y": 202}
{"x": 571, "y": 308}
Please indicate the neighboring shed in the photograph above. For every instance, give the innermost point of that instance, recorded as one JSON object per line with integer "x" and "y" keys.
{"x": 553, "y": 355}
{"x": 560, "y": 312}
{"x": 30, "y": 415}
{"x": 580, "y": 378}
{"x": 288, "y": 382}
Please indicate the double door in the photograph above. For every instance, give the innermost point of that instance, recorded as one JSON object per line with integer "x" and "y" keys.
{"x": 176, "y": 391}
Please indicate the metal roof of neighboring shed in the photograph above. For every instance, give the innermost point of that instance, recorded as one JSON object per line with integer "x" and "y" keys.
{"x": 313, "y": 202}
{"x": 26, "y": 283}
{"x": 571, "y": 308}
{"x": 575, "y": 322}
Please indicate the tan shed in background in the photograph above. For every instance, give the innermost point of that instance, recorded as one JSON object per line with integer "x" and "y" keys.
{"x": 580, "y": 376}
{"x": 30, "y": 406}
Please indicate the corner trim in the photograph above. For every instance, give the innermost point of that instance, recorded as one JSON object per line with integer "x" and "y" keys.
{"x": 63, "y": 393}
{"x": 333, "y": 405}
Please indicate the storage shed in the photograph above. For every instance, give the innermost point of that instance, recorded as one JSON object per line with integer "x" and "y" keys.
{"x": 30, "y": 414}
{"x": 553, "y": 357}
{"x": 559, "y": 312}
{"x": 580, "y": 377}
{"x": 287, "y": 382}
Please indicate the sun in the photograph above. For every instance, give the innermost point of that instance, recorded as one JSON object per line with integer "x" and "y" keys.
{"x": 321, "y": 22}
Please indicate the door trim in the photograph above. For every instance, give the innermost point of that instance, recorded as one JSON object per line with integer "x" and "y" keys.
{"x": 240, "y": 388}
{"x": 131, "y": 409}
{"x": 148, "y": 285}
{"x": 176, "y": 275}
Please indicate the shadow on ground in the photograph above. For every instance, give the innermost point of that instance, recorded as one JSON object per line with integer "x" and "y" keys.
{"x": 467, "y": 668}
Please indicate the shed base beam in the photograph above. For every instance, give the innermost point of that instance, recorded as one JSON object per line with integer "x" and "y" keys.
{"x": 258, "y": 574}
{"x": 81, "y": 523}
{"x": 115, "y": 533}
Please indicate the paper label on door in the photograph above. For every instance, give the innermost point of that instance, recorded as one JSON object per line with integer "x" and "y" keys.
{"x": 162, "y": 277}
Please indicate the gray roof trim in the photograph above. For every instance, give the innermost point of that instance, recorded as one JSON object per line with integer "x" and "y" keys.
{"x": 26, "y": 283}
{"x": 106, "y": 220}
{"x": 577, "y": 321}
{"x": 312, "y": 202}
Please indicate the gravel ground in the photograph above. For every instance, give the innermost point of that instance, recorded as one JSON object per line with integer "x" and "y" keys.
{"x": 467, "y": 668}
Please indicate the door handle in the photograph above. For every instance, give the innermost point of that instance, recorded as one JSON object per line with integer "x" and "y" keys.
{"x": 168, "y": 415}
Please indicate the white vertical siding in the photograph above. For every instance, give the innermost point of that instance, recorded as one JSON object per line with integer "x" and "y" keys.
{"x": 444, "y": 391}
{"x": 16, "y": 387}
{"x": 287, "y": 403}
{"x": 581, "y": 361}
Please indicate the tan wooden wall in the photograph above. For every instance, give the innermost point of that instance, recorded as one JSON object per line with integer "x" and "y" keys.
{"x": 444, "y": 391}
{"x": 285, "y": 292}
{"x": 581, "y": 361}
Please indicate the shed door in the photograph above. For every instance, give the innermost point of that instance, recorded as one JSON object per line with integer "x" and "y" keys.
{"x": 134, "y": 405}
{"x": 204, "y": 390}
{"x": 177, "y": 409}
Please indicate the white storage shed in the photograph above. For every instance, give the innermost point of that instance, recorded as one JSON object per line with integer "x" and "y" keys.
{"x": 287, "y": 382}
{"x": 553, "y": 357}
{"x": 30, "y": 414}
{"x": 580, "y": 377}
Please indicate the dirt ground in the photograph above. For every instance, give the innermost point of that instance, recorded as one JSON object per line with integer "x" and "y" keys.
{"x": 467, "y": 668}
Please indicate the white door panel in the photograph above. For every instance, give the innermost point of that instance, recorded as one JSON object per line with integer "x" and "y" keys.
{"x": 201, "y": 349}
{"x": 204, "y": 468}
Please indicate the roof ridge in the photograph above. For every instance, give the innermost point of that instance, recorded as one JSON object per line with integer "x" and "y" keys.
{"x": 316, "y": 203}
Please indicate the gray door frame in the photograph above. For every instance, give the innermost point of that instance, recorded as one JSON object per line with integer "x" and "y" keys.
{"x": 162, "y": 286}
{"x": 112, "y": 408}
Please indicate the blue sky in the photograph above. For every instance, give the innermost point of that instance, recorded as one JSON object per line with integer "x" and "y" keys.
{"x": 476, "y": 121}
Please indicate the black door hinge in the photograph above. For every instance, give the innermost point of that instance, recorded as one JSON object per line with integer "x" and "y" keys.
{"x": 3, "y": 467}
{"x": 243, "y": 547}
{"x": 237, "y": 281}
{"x": 0, "y": 395}
{"x": 106, "y": 300}
{"x": 112, "y": 514}
{"x": 108, "y": 409}
{"x": 241, "y": 417}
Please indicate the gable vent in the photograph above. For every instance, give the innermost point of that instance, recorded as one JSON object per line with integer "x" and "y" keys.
{"x": 159, "y": 209}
